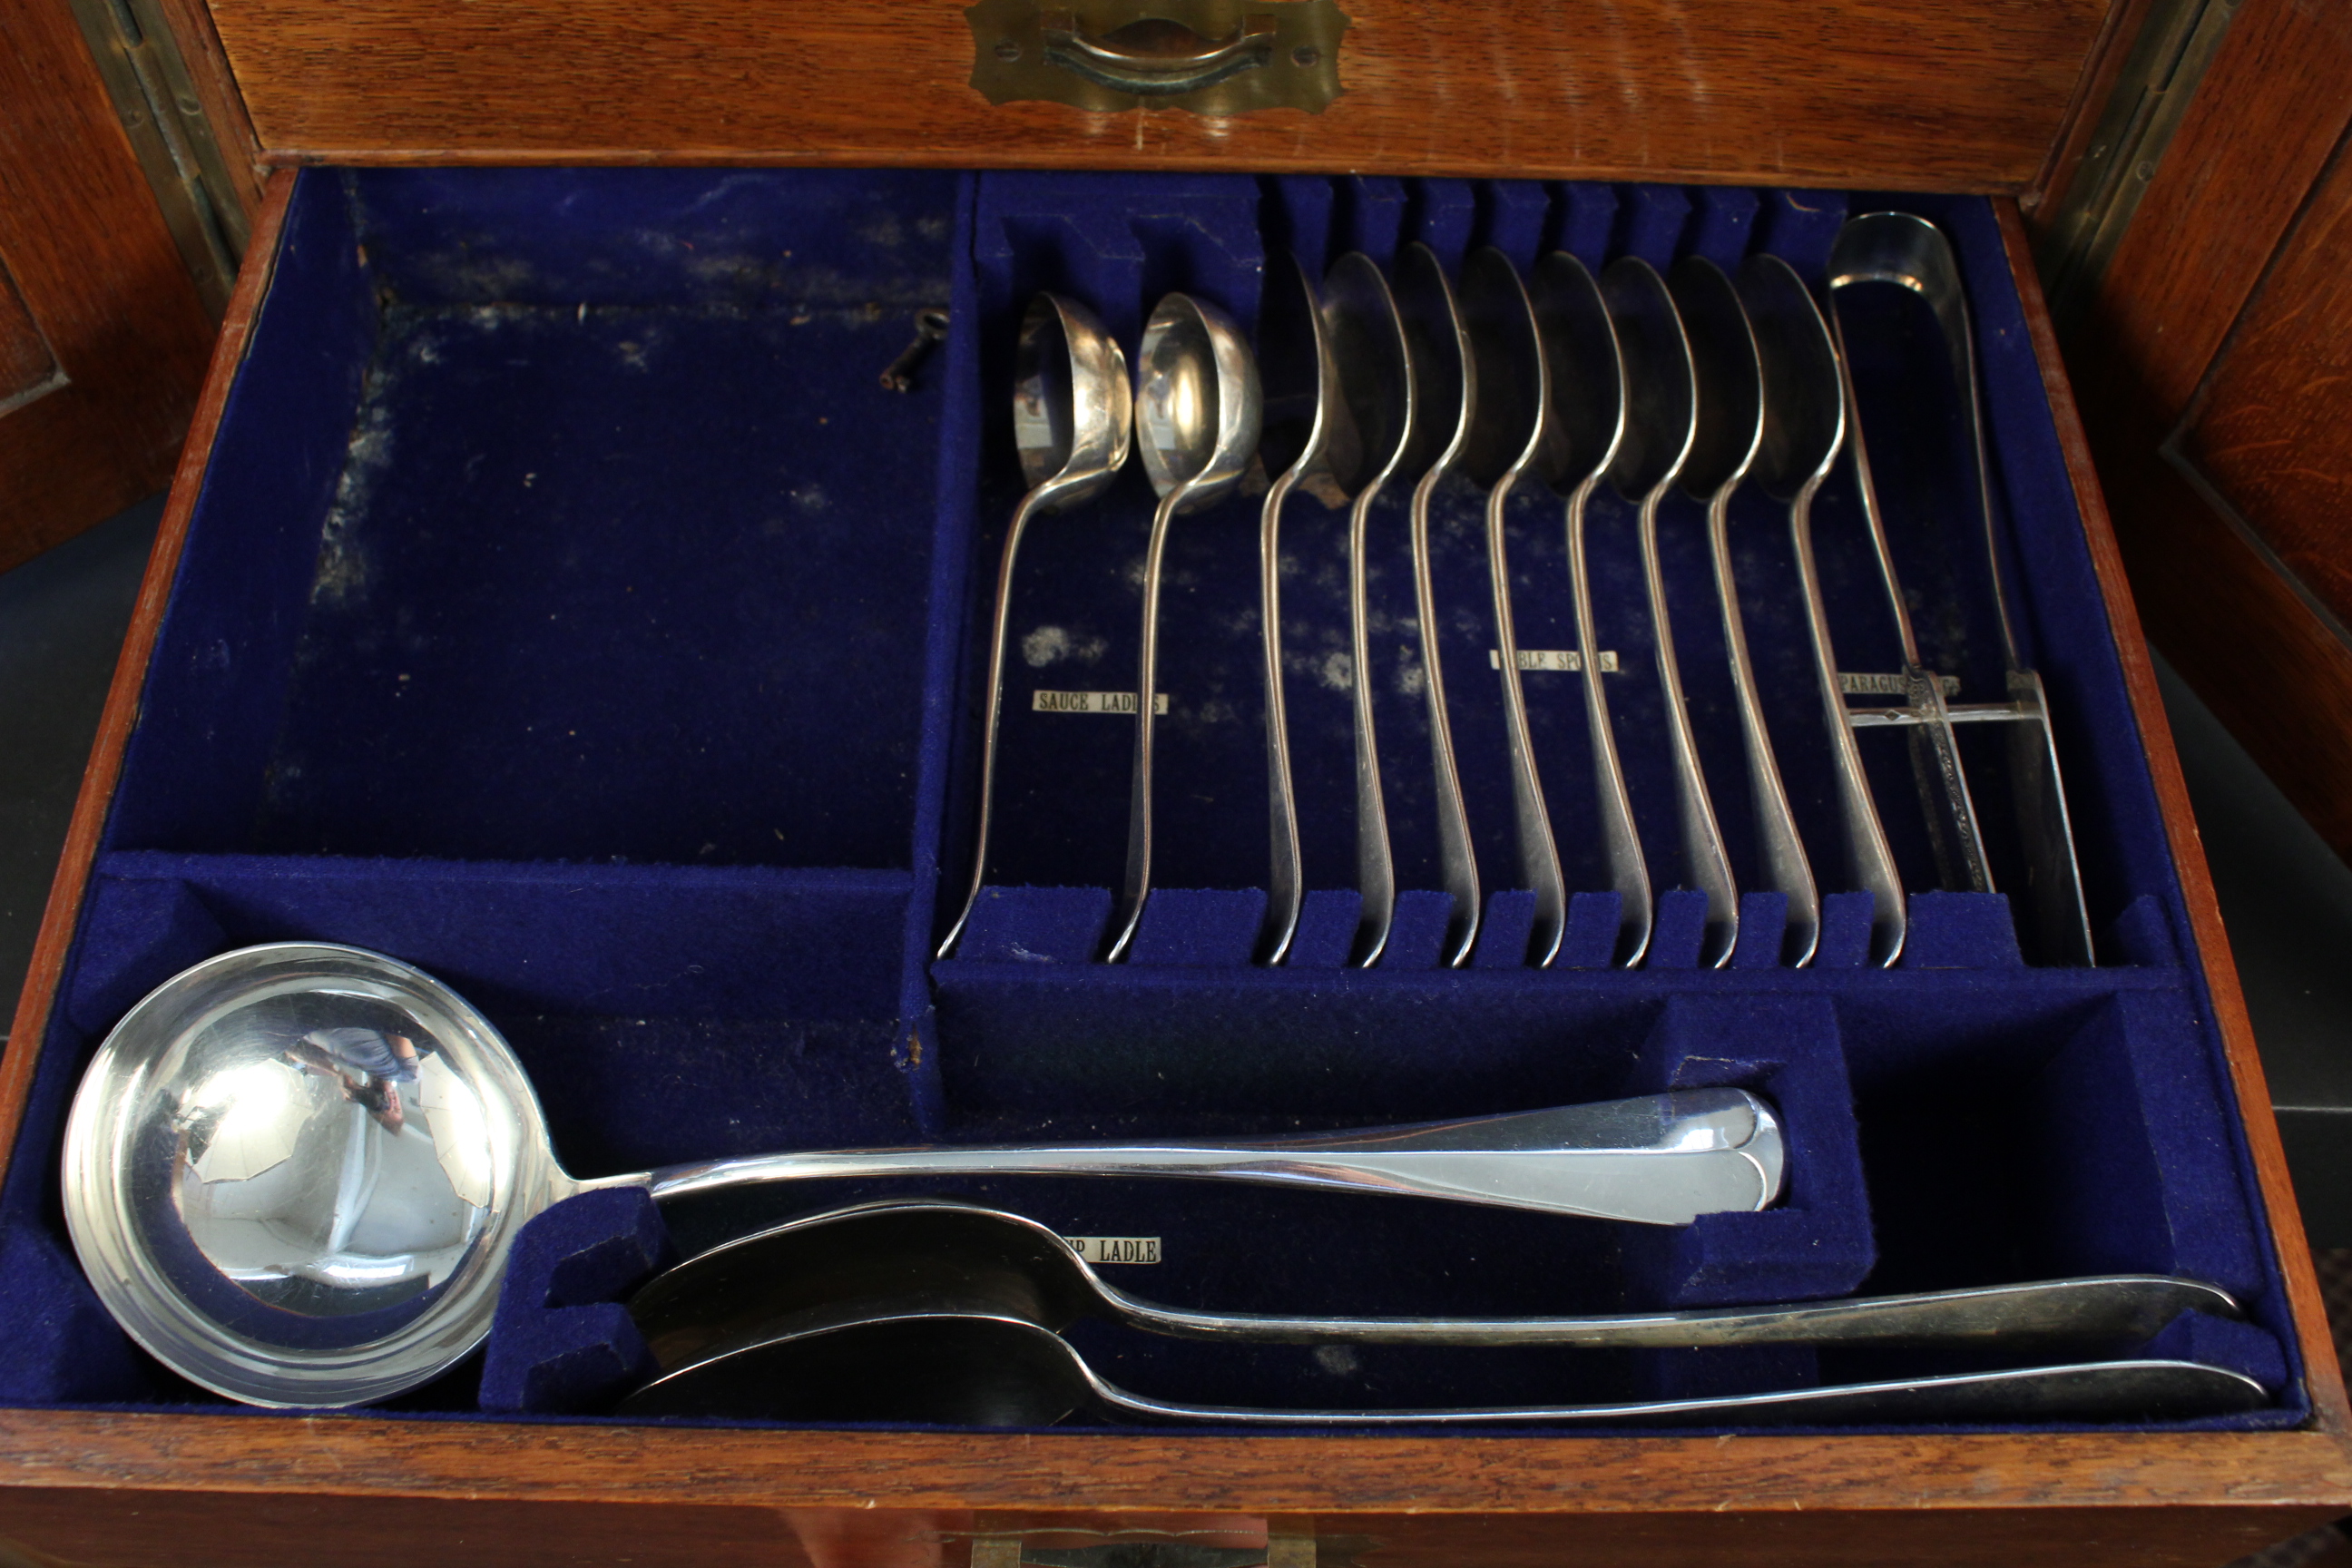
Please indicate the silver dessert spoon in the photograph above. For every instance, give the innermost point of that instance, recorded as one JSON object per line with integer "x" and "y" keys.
{"x": 1309, "y": 442}
{"x": 293, "y": 1171}
{"x": 1662, "y": 419}
{"x": 1587, "y": 413}
{"x": 940, "y": 1362}
{"x": 1376, "y": 382}
{"x": 1198, "y": 409}
{"x": 1444, "y": 392}
{"x": 1730, "y": 432}
{"x": 1804, "y": 429}
{"x": 1511, "y": 435}
{"x": 1073, "y": 419}
{"x": 936, "y": 1248}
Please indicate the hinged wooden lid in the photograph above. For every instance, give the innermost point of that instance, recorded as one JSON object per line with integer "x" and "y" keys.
{"x": 1928, "y": 94}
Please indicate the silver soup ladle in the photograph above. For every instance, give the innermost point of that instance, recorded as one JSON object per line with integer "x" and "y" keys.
{"x": 1073, "y": 420}
{"x": 293, "y": 1173}
{"x": 1198, "y": 411}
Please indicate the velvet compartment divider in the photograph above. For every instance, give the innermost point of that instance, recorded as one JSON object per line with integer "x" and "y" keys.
{"x": 569, "y": 612}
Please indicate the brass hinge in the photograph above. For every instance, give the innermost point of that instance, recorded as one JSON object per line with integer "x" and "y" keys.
{"x": 155, "y": 98}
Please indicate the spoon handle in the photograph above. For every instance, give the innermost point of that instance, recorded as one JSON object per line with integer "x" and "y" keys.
{"x": 1660, "y": 1160}
{"x": 1704, "y": 864}
{"x": 2092, "y": 1391}
{"x": 1629, "y": 872}
{"x": 1137, "y": 887}
{"x": 1539, "y": 850}
{"x": 2114, "y": 1307}
{"x": 1457, "y": 861}
{"x": 1375, "y": 860}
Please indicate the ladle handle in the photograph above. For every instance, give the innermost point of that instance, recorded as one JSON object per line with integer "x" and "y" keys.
{"x": 1662, "y": 1160}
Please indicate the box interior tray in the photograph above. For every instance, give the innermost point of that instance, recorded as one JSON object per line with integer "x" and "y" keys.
{"x": 571, "y": 612}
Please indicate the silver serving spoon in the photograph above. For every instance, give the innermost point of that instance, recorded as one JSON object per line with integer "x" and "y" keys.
{"x": 934, "y": 1248}
{"x": 1376, "y": 382}
{"x": 1731, "y": 384}
{"x": 1906, "y": 250}
{"x": 1309, "y": 442}
{"x": 1512, "y": 433}
{"x": 1804, "y": 428}
{"x": 1073, "y": 419}
{"x": 1662, "y": 418}
{"x": 1588, "y": 408}
{"x": 293, "y": 1171}
{"x": 940, "y": 1362}
{"x": 1197, "y": 414}
{"x": 1444, "y": 390}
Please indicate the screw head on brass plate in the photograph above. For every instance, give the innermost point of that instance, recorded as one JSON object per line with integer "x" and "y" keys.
{"x": 1209, "y": 57}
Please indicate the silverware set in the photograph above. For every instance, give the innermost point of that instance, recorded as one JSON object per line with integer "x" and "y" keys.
{"x": 1694, "y": 380}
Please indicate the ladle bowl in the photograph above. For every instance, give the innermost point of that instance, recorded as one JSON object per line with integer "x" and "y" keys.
{"x": 293, "y": 1173}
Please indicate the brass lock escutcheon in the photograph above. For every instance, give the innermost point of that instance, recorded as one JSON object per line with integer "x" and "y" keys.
{"x": 1210, "y": 57}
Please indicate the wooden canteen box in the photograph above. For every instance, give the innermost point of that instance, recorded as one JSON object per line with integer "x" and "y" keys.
{"x": 553, "y": 597}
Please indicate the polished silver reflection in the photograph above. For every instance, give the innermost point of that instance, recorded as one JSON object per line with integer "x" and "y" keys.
{"x": 1805, "y": 429}
{"x": 979, "y": 1257}
{"x": 1073, "y": 420}
{"x": 1661, "y": 421}
{"x": 1730, "y": 383}
{"x": 293, "y": 1171}
{"x": 1198, "y": 411}
{"x": 939, "y": 1362}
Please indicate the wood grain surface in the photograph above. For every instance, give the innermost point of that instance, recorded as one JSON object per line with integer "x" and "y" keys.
{"x": 2229, "y": 194}
{"x": 96, "y": 272}
{"x": 2272, "y": 428}
{"x": 1964, "y": 94}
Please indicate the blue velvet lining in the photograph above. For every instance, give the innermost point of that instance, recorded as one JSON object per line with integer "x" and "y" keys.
{"x": 569, "y": 611}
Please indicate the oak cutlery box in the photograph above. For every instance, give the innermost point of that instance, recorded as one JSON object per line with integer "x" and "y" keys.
{"x": 553, "y": 597}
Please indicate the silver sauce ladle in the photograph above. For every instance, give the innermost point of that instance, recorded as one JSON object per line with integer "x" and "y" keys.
{"x": 1804, "y": 429}
{"x": 1073, "y": 420}
{"x": 1662, "y": 418}
{"x": 293, "y": 1173}
{"x": 1730, "y": 386}
{"x": 936, "y": 1248}
{"x": 1198, "y": 409}
{"x": 944, "y": 1362}
{"x": 1376, "y": 382}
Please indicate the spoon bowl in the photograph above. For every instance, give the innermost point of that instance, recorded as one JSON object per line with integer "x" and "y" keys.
{"x": 1072, "y": 423}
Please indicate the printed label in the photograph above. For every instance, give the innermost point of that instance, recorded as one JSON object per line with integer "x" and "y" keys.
{"x": 1092, "y": 702}
{"x": 1115, "y": 1248}
{"x": 1855, "y": 685}
{"x": 1554, "y": 658}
